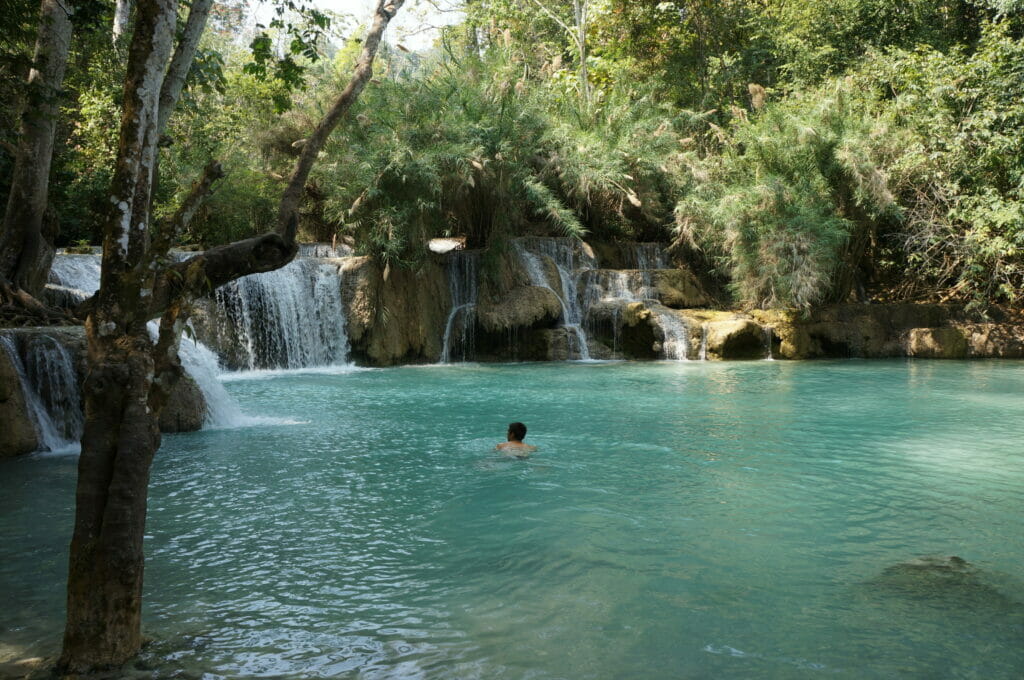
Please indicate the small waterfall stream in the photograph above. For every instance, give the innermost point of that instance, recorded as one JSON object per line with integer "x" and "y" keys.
{"x": 463, "y": 267}
{"x": 637, "y": 285}
{"x": 49, "y": 384}
{"x": 561, "y": 253}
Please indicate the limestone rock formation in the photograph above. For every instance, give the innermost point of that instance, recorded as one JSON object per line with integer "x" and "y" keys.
{"x": 737, "y": 338}
{"x": 1001, "y": 341}
{"x": 17, "y": 436}
{"x": 394, "y": 315}
{"x": 521, "y": 308}
{"x": 936, "y": 343}
{"x": 678, "y": 288}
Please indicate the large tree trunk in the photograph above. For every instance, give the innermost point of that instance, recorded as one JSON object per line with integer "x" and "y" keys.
{"x": 121, "y": 436}
{"x": 28, "y": 234}
{"x": 129, "y": 374}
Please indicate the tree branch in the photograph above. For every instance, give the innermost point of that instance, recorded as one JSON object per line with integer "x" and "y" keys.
{"x": 181, "y": 62}
{"x": 289, "y": 205}
{"x": 171, "y": 228}
{"x": 206, "y": 271}
{"x": 554, "y": 17}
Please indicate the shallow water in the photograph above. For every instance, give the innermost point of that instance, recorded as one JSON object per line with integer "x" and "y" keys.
{"x": 697, "y": 520}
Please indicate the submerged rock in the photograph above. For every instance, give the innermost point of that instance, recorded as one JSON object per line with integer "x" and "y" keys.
{"x": 944, "y": 581}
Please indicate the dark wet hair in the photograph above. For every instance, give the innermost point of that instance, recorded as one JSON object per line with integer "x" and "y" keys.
{"x": 517, "y": 430}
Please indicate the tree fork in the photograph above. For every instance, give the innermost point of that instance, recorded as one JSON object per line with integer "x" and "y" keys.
{"x": 129, "y": 374}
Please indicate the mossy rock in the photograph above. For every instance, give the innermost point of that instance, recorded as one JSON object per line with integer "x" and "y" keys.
{"x": 936, "y": 343}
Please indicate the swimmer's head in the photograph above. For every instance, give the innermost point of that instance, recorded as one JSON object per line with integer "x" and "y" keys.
{"x": 516, "y": 432}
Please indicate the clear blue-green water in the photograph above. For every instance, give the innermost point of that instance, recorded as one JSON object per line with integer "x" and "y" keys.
{"x": 680, "y": 520}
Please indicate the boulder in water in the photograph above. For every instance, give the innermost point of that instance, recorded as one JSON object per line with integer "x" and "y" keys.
{"x": 185, "y": 410}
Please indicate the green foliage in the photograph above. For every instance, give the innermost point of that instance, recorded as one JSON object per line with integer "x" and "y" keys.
{"x": 954, "y": 154}
{"x": 302, "y": 28}
{"x": 469, "y": 146}
{"x": 904, "y": 176}
{"x": 783, "y": 209}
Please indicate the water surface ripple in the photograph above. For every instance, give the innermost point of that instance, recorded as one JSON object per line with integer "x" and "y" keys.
{"x": 695, "y": 520}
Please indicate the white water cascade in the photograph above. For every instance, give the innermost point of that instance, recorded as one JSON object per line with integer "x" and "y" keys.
{"x": 76, "y": 277}
{"x": 561, "y": 252}
{"x": 636, "y": 285}
{"x": 288, "y": 318}
{"x": 49, "y": 384}
{"x": 73, "y": 278}
{"x": 459, "y": 341}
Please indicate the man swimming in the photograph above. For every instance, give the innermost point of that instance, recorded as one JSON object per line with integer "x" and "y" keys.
{"x": 515, "y": 446}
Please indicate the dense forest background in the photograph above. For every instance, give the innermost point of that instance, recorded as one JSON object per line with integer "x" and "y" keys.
{"x": 796, "y": 152}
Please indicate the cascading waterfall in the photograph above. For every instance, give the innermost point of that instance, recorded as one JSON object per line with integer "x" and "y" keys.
{"x": 613, "y": 285}
{"x": 561, "y": 252}
{"x": 459, "y": 342}
{"x": 201, "y": 364}
{"x": 73, "y": 278}
{"x": 703, "y": 353}
{"x": 676, "y": 345}
{"x": 768, "y": 335}
{"x": 49, "y": 383}
{"x": 288, "y": 318}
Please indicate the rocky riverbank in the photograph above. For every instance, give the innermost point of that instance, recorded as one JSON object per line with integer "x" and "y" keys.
{"x": 532, "y": 299}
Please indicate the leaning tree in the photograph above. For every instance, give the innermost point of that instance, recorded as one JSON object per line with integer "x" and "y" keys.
{"x": 130, "y": 373}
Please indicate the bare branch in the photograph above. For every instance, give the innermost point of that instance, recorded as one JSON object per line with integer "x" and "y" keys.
{"x": 554, "y": 17}
{"x": 181, "y": 62}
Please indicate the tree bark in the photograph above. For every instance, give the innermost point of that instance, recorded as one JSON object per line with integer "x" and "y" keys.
{"x": 129, "y": 374}
{"x": 122, "y": 14}
{"x": 28, "y": 235}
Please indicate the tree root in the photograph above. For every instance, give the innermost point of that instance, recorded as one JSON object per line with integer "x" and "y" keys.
{"x": 18, "y": 309}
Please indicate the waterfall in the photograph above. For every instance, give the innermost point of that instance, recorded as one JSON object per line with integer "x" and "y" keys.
{"x": 201, "y": 364}
{"x": 288, "y": 318}
{"x": 648, "y": 256}
{"x": 561, "y": 253}
{"x": 73, "y": 278}
{"x": 676, "y": 343}
{"x": 323, "y": 250}
{"x": 703, "y": 354}
{"x": 768, "y": 331}
{"x": 49, "y": 384}
{"x": 463, "y": 270}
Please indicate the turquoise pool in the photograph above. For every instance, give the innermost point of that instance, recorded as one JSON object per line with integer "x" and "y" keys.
{"x": 681, "y": 520}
